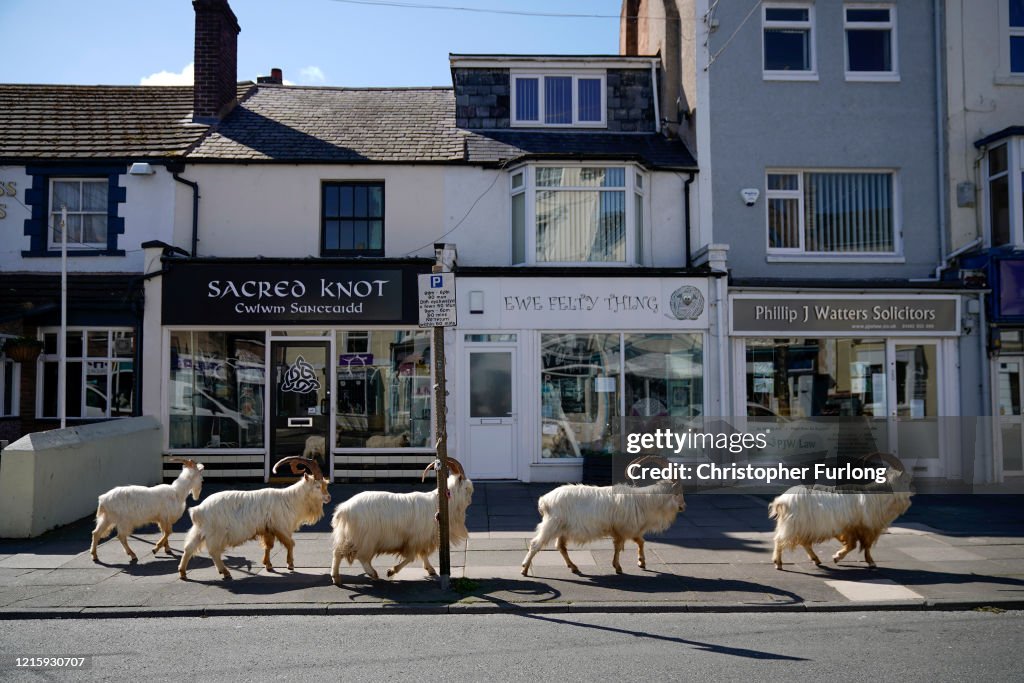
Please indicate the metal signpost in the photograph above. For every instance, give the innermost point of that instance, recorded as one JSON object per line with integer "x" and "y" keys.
{"x": 437, "y": 310}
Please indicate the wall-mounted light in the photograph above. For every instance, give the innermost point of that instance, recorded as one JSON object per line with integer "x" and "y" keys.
{"x": 476, "y": 301}
{"x": 141, "y": 168}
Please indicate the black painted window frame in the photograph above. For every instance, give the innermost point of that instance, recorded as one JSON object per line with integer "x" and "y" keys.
{"x": 352, "y": 216}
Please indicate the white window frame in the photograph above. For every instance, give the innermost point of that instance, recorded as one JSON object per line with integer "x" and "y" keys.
{"x": 892, "y": 75}
{"x": 1015, "y": 171}
{"x": 600, "y": 75}
{"x": 529, "y": 188}
{"x": 809, "y": 74}
{"x": 775, "y": 254}
{"x": 12, "y": 369}
{"x": 52, "y": 242}
{"x": 84, "y": 359}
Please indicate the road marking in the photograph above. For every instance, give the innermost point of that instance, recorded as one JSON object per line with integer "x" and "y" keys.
{"x": 948, "y": 554}
{"x": 874, "y": 590}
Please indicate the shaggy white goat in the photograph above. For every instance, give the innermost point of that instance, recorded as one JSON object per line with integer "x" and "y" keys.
{"x": 388, "y": 440}
{"x": 316, "y": 449}
{"x": 580, "y": 513}
{"x": 129, "y": 507}
{"x": 230, "y": 518}
{"x": 375, "y": 523}
{"x": 852, "y": 515}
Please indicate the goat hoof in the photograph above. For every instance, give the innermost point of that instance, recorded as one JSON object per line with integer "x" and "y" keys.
{"x": 525, "y": 572}
{"x": 155, "y": 550}
{"x": 618, "y": 570}
{"x": 575, "y": 570}
{"x": 95, "y": 558}
{"x": 227, "y": 577}
{"x": 642, "y": 565}
{"x": 134, "y": 560}
{"x": 336, "y": 580}
{"x": 181, "y": 575}
{"x": 391, "y": 572}
{"x": 291, "y": 567}
{"x": 778, "y": 567}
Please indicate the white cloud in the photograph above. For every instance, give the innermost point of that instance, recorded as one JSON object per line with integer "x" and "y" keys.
{"x": 311, "y": 75}
{"x": 185, "y": 77}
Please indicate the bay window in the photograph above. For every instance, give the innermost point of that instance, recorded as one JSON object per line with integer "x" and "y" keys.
{"x": 577, "y": 214}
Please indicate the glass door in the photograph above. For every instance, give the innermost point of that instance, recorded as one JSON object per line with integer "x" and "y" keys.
{"x": 914, "y": 407}
{"x": 300, "y": 403}
{"x": 1010, "y": 420}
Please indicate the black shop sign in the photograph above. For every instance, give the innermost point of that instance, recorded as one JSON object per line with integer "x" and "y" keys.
{"x": 255, "y": 294}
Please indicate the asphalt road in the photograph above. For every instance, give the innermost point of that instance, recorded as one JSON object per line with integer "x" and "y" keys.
{"x": 884, "y": 646}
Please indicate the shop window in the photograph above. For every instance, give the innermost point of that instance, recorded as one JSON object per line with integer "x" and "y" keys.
{"x": 91, "y": 196}
{"x": 100, "y": 380}
{"x": 216, "y": 389}
{"x": 558, "y": 99}
{"x": 352, "y": 219}
{"x": 384, "y": 395}
{"x": 816, "y": 377}
{"x": 831, "y": 213}
{"x": 10, "y": 382}
{"x": 585, "y": 385}
{"x": 870, "y": 42}
{"x": 577, "y": 215}
{"x": 788, "y": 37}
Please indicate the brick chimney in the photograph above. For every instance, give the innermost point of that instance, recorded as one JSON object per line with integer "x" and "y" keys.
{"x": 216, "y": 60}
{"x": 276, "y": 77}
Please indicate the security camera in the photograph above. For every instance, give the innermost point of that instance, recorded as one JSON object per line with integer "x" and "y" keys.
{"x": 750, "y": 195}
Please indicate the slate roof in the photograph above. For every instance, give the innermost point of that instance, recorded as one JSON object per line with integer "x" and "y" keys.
{"x": 97, "y": 121}
{"x": 292, "y": 124}
{"x": 403, "y": 125}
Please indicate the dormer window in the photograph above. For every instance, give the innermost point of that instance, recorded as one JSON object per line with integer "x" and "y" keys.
{"x": 558, "y": 99}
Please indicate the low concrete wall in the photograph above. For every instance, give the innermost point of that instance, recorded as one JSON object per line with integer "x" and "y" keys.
{"x": 52, "y": 478}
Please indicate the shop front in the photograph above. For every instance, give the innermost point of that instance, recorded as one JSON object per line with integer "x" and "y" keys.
{"x": 887, "y": 359}
{"x": 265, "y": 359}
{"x": 547, "y": 364}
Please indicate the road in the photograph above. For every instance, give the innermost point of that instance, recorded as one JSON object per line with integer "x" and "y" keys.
{"x": 885, "y": 646}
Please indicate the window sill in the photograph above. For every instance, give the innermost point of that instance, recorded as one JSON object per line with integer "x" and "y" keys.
{"x": 837, "y": 258}
{"x": 790, "y": 75}
{"x": 871, "y": 77}
{"x": 538, "y": 124}
{"x": 72, "y": 253}
{"x": 1009, "y": 79}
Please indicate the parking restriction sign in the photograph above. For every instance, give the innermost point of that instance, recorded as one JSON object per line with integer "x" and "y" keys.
{"x": 437, "y": 300}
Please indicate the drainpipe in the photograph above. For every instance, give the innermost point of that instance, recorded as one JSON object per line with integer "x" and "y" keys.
{"x": 940, "y": 128}
{"x": 195, "y": 209}
{"x": 686, "y": 211}
{"x": 987, "y": 400}
{"x": 654, "y": 90}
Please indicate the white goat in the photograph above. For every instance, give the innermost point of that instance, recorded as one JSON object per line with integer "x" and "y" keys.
{"x": 129, "y": 507}
{"x": 388, "y": 440}
{"x": 316, "y": 449}
{"x": 230, "y": 518}
{"x": 375, "y": 523}
{"x": 580, "y": 513}
{"x": 852, "y": 515}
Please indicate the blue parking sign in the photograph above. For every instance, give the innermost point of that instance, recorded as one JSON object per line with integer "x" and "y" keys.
{"x": 436, "y": 281}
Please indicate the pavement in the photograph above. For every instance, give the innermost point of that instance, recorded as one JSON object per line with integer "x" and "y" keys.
{"x": 949, "y": 551}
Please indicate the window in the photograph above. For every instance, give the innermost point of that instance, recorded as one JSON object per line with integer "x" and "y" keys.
{"x": 585, "y": 385}
{"x": 870, "y": 42}
{"x": 831, "y": 212}
{"x": 87, "y": 210}
{"x": 216, "y": 389}
{"x": 577, "y": 214}
{"x": 353, "y": 219}
{"x": 10, "y": 383}
{"x": 999, "y": 196}
{"x": 558, "y": 99}
{"x": 100, "y": 380}
{"x": 789, "y": 41}
{"x": 1016, "y": 36}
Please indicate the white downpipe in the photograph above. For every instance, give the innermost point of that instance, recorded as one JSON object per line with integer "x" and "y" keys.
{"x": 62, "y": 342}
{"x": 723, "y": 350}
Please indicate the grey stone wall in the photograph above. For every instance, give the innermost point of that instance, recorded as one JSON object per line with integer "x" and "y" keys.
{"x": 630, "y": 101}
{"x": 483, "y": 99}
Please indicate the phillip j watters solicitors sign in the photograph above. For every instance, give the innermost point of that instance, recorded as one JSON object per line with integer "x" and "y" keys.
{"x": 824, "y": 314}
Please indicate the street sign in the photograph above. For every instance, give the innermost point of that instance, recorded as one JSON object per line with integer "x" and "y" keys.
{"x": 437, "y": 300}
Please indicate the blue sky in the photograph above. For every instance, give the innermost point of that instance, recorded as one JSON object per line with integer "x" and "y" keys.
{"x": 315, "y": 42}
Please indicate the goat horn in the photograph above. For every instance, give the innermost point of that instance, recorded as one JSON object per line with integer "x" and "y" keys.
{"x": 299, "y": 465}
{"x": 187, "y": 462}
{"x": 454, "y": 466}
{"x": 426, "y": 469}
{"x": 891, "y": 459}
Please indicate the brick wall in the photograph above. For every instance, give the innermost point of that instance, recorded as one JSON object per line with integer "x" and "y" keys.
{"x": 216, "y": 58}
